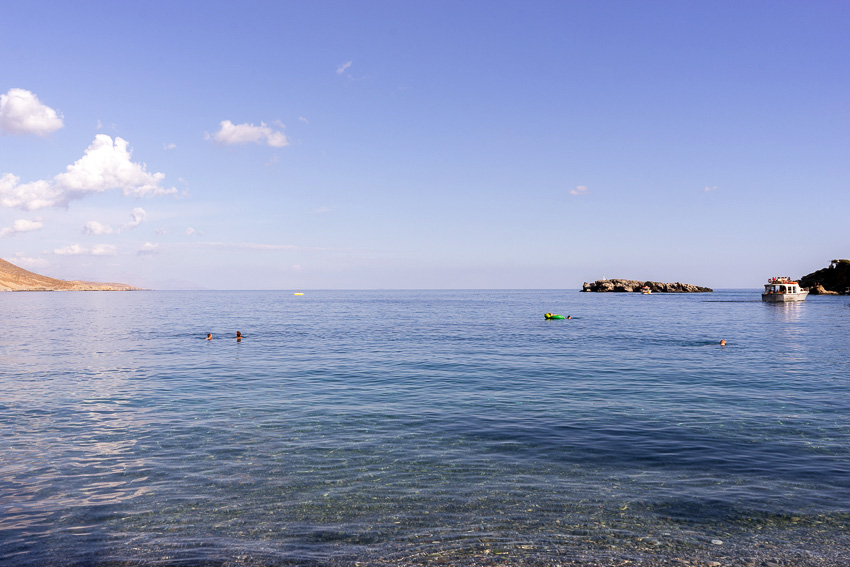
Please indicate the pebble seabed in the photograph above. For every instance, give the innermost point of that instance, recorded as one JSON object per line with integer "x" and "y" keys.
{"x": 775, "y": 541}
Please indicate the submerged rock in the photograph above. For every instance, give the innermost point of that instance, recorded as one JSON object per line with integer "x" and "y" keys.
{"x": 632, "y": 286}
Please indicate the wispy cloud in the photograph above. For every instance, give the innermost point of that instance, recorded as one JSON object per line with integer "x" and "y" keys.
{"x": 579, "y": 190}
{"x": 137, "y": 217}
{"x": 104, "y": 250}
{"x": 246, "y": 246}
{"x": 96, "y": 250}
{"x": 21, "y": 225}
{"x": 170, "y": 146}
{"x": 71, "y": 250}
{"x": 708, "y": 189}
{"x": 343, "y": 68}
{"x": 22, "y": 113}
{"x": 95, "y": 228}
{"x": 106, "y": 165}
{"x": 148, "y": 249}
{"x": 231, "y": 134}
{"x": 28, "y": 262}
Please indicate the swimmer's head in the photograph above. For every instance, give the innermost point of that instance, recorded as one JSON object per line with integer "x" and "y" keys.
{"x": 722, "y": 342}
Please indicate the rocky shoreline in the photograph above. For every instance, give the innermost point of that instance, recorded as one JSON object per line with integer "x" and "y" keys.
{"x": 627, "y": 286}
{"x": 834, "y": 280}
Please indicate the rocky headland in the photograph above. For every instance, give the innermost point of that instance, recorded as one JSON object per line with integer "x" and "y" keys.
{"x": 834, "y": 280}
{"x": 13, "y": 278}
{"x": 636, "y": 286}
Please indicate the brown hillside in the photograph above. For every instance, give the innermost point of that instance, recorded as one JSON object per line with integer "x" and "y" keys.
{"x": 13, "y": 278}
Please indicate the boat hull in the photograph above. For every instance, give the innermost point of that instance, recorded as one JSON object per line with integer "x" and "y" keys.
{"x": 784, "y": 297}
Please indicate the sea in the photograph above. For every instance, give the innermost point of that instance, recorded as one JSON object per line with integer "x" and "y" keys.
{"x": 395, "y": 428}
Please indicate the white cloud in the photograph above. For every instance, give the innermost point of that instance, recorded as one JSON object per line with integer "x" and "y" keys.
{"x": 96, "y": 228}
{"x": 72, "y": 250}
{"x": 230, "y": 134}
{"x": 579, "y": 190}
{"x": 190, "y": 231}
{"x": 93, "y": 227}
{"x": 170, "y": 146}
{"x": 304, "y": 120}
{"x": 22, "y": 225}
{"x": 22, "y": 113}
{"x": 138, "y": 215}
{"x": 708, "y": 189}
{"x": 30, "y": 262}
{"x": 342, "y": 68}
{"x": 29, "y": 196}
{"x": 104, "y": 250}
{"x": 96, "y": 250}
{"x": 161, "y": 231}
{"x": 148, "y": 248}
{"x": 106, "y": 165}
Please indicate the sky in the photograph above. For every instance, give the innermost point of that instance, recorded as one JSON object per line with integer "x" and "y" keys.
{"x": 424, "y": 145}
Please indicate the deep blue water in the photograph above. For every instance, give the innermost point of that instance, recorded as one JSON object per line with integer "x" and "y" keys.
{"x": 423, "y": 428}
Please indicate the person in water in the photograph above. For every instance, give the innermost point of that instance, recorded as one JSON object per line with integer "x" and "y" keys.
{"x": 722, "y": 342}
{"x": 238, "y": 336}
{"x": 209, "y": 336}
{"x": 569, "y": 316}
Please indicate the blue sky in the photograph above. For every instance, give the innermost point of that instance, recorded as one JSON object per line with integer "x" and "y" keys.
{"x": 349, "y": 145}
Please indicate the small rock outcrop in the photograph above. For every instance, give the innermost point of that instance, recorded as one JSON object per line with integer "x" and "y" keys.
{"x": 14, "y": 278}
{"x": 636, "y": 286}
{"x": 833, "y": 280}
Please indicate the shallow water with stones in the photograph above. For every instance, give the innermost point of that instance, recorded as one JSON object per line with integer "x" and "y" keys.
{"x": 423, "y": 428}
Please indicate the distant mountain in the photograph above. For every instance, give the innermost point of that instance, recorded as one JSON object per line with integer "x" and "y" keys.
{"x": 13, "y": 278}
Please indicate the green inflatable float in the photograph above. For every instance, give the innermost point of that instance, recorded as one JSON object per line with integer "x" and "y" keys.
{"x": 554, "y": 316}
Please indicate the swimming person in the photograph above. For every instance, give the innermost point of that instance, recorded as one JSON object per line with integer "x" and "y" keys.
{"x": 209, "y": 336}
{"x": 722, "y": 342}
{"x": 238, "y": 336}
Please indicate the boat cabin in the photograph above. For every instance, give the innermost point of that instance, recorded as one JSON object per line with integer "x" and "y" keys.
{"x": 781, "y": 286}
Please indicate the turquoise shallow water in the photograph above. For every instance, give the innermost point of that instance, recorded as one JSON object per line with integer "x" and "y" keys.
{"x": 423, "y": 427}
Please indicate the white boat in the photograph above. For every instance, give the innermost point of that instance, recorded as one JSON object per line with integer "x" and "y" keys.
{"x": 781, "y": 289}
{"x": 645, "y": 290}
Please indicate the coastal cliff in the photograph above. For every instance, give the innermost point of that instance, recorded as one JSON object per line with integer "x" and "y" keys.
{"x": 829, "y": 281}
{"x": 13, "y": 278}
{"x": 635, "y": 286}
